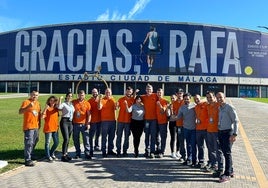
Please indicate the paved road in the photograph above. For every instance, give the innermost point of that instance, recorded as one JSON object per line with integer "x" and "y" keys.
{"x": 250, "y": 155}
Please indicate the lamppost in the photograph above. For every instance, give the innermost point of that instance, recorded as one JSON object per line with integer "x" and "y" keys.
{"x": 238, "y": 75}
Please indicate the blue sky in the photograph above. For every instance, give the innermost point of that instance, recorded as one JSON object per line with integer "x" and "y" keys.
{"x": 247, "y": 14}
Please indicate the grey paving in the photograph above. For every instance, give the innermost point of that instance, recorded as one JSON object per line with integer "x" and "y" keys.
{"x": 165, "y": 172}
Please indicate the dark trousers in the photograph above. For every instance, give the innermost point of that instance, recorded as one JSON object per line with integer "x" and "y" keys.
{"x": 136, "y": 127}
{"x": 226, "y": 147}
{"x": 66, "y": 127}
{"x": 173, "y": 136}
{"x": 181, "y": 141}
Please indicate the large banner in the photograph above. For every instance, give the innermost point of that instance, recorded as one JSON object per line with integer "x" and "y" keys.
{"x": 135, "y": 48}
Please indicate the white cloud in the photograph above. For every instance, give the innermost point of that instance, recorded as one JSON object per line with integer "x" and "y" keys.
{"x": 137, "y": 8}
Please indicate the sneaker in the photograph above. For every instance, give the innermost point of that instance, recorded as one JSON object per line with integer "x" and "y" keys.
{"x": 29, "y": 163}
{"x": 54, "y": 157}
{"x": 209, "y": 168}
{"x": 160, "y": 155}
{"x": 199, "y": 165}
{"x": 152, "y": 156}
{"x": 173, "y": 155}
{"x": 224, "y": 179}
{"x": 217, "y": 174}
{"x": 189, "y": 163}
{"x": 50, "y": 160}
{"x": 181, "y": 160}
{"x": 65, "y": 158}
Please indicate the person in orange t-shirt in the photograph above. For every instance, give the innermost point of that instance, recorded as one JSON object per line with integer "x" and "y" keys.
{"x": 181, "y": 153}
{"x": 215, "y": 156}
{"x": 95, "y": 123}
{"x": 51, "y": 126}
{"x": 162, "y": 120}
{"x": 107, "y": 106}
{"x": 201, "y": 128}
{"x": 81, "y": 124}
{"x": 123, "y": 121}
{"x": 31, "y": 111}
{"x": 150, "y": 129}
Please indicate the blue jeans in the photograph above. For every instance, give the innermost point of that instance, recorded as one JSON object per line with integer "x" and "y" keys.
{"x": 214, "y": 153}
{"x": 122, "y": 127}
{"x": 190, "y": 137}
{"x": 163, "y": 137}
{"x": 55, "y": 137}
{"x": 98, "y": 133}
{"x": 92, "y": 132}
{"x": 226, "y": 147}
{"x": 31, "y": 138}
{"x": 77, "y": 129}
{"x": 108, "y": 129}
{"x": 201, "y": 137}
{"x": 150, "y": 130}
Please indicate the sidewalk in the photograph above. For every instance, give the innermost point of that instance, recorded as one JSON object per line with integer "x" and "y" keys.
{"x": 250, "y": 154}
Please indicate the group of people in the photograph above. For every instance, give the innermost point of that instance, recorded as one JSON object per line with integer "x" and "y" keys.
{"x": 191, "y": 125}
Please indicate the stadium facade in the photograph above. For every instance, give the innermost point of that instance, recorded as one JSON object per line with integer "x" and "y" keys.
{"x": 195, "y": 57}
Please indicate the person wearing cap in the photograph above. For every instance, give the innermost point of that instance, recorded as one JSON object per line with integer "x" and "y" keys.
{"x": 181, "y": 153}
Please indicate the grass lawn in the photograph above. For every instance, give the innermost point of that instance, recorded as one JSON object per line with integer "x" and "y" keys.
{"x": 11, "y": 134}
{"x": 264, "y": 100}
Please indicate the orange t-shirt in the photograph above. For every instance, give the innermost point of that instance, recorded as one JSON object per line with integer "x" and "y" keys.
{"x": 51, "y": 120}
{"x": 108, "y": 109}
{"x": 162, "y": 117}
{"x": 81, "y": 111}
{"x": 201, "y": 116}
{"x": 177, "y": 105}
{"x": 149, "y": 102}
{"x": 95, "y": 113}
{"x": 31, "y": 118}
{"x": 124, "y": 116}
{"x": 213, "y": 118}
